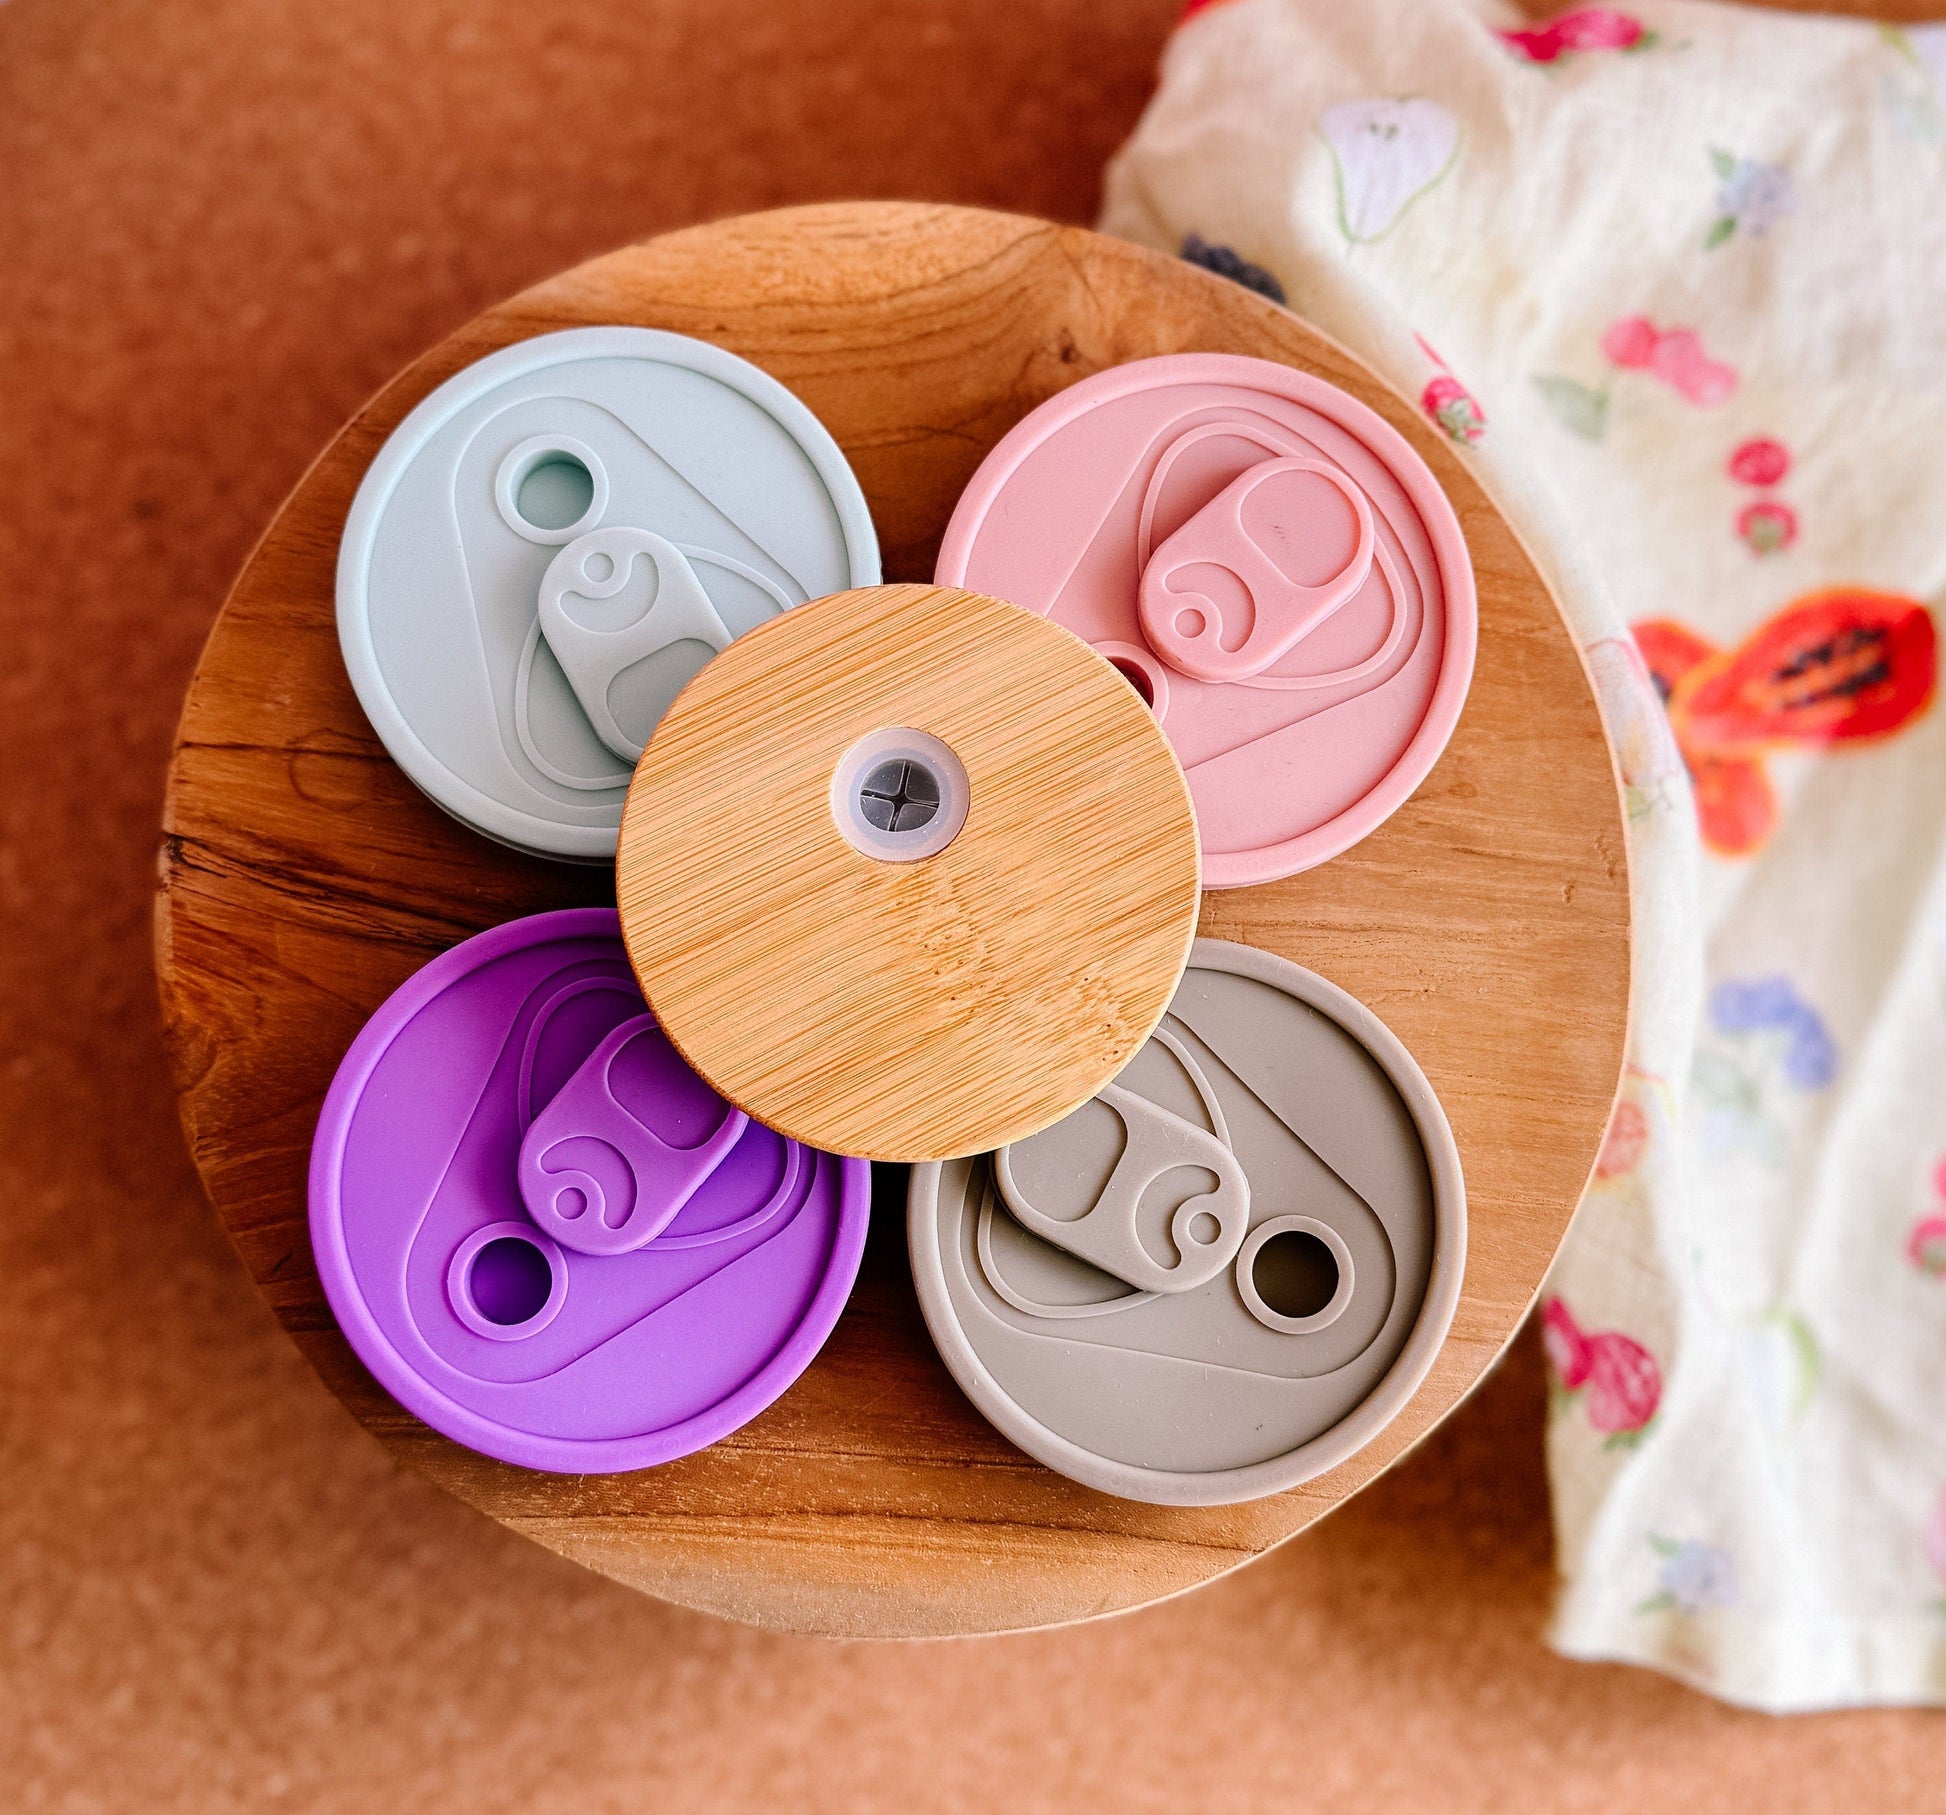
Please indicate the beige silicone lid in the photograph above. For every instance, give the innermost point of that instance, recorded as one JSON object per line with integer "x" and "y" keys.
{"x": 1225, "y": 1273}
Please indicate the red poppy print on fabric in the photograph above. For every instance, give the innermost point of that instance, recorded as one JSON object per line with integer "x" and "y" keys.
{"x": 1834, "y": 667}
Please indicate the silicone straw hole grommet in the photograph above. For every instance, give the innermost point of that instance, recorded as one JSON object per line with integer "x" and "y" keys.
{"x": 1204, "y": 1228}
{"x": 898, "y": 795}
{"x": 1295, "y": 1275}
{"x": 551, "y": 489}
{"x": 507, "y": 1281}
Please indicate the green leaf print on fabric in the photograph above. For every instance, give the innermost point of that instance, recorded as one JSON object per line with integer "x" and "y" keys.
{"x": 1576, "y": 406}
{"x": 1784, "y": 1364}
{"x": 1916, "y": 98}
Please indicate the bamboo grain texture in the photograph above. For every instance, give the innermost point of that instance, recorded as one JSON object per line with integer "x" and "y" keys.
{"x": 909, "y": 1011}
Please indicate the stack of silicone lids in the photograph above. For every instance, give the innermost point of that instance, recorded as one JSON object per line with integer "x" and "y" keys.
{"x": 554, "y": 541}
{"x": 545, "y": 1235}
{"x": 1224, "y": 1274}
{"x": 1268, "y": 562}
{"x": 554, "y": 1241}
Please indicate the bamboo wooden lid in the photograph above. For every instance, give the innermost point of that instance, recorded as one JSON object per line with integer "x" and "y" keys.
{"x": 815, "y": 955}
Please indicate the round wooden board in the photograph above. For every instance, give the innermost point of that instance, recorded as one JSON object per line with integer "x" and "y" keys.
{"x": 909, "y": 1011}
{"x": 303, "y": 879}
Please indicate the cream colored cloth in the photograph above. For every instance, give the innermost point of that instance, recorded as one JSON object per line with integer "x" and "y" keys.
{"x": 1675, "y": 278}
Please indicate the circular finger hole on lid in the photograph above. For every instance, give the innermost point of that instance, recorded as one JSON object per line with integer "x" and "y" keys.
{"x": 1284, "y": 1344}
{"x": 1295, "y": 1274}
{"x": 521, "y": 735}
{"x": 551, "y": 488}
{"x": 1138, "y": 666}
{"x": 506, "y": 1281}
{"x": 899, "y": 795}
{"x": 552, "y": 1354}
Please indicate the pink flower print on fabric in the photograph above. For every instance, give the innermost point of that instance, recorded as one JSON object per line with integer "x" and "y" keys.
{"x": 1759, "y": 461}
{"x": 1768, "y": 526}
{"x": 1934, "y": 1537}
{"x": 1632, "y": 1125}
{"x": 1625, "y": 1142}
{"x": 1631, "y": 343}
{"x": 1674, "y": 355}
{"x": 1681, "y": 363}
{"x": 1586, "y": 28}
{"x": 1616, "y": 1378}
{"x": 1193, "y": 7}
{"x": 1925, "y": 1247}
{"x": 1449, "y": 403}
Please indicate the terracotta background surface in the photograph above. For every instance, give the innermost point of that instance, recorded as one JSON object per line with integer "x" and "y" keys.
{"x": 221, "y": 225}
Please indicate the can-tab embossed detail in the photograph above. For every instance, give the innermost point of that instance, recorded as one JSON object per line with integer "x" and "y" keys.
{"x": 545, "y": 1235}
{"x": 553, "y": 543}
{"x": 1271, "y": 566}
{"x": 626, "y": 1142}
{"x": 1226, "y": 595}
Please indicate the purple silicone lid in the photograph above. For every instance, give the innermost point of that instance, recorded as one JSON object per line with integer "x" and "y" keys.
{"x": 545, "y": 1235}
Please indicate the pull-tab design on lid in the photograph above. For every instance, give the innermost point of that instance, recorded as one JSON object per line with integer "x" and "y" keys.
{"x": 1269, "y": 564}
{"x": 547, "y": 1237}
{"x": 617, "y": 597}
{"x": 627, "y": 1141}
{"x": 1257, "y": 569}
{"x": 1277, "y": 1346}
{"x": 553, "y": 544}
{"x": 1205, "y": 1223}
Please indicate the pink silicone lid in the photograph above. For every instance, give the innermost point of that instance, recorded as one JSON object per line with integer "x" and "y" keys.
{"x": 1269, "y": 563}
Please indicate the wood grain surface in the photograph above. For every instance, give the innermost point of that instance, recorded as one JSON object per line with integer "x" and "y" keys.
{"x": 909, "y": 1011}
{"x": 303, "y": 879}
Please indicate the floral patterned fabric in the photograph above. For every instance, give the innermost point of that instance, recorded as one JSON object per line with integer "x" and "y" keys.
{"x": 1674, "y": 278}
